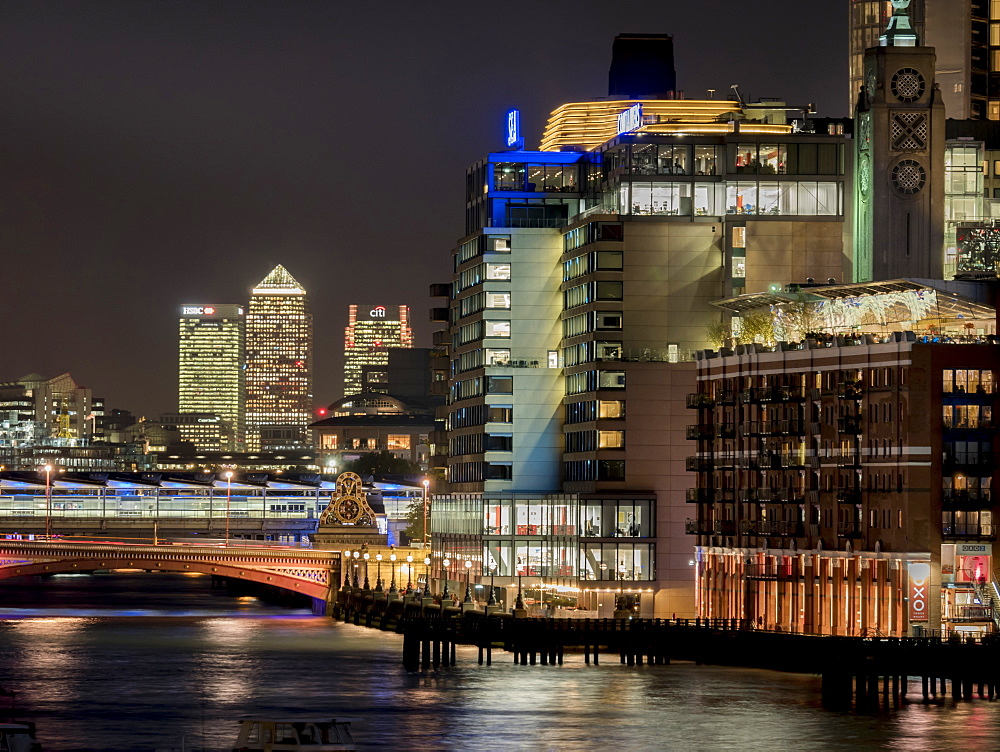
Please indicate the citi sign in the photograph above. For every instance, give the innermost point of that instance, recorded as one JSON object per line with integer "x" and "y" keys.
{"x": 197, "y": 310}
{"x": 920, "y": 575}
{"x": 378, "y": 312}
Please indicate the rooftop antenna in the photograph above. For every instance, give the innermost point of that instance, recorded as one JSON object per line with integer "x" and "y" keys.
{"x": 711, "y": 93}
{"x": 739, "y": 97}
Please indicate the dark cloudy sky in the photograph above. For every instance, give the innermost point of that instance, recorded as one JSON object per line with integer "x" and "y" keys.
{"x": 162, "y": 151}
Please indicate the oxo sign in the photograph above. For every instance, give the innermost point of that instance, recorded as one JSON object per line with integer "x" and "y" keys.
{"x": 920, "y": 575}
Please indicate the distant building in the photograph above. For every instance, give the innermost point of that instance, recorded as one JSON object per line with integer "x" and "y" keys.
{"x": 373, "y": 422}
{"x": 372, "y": 330}
{"x": 204, "y": 431}
{"x": 408, "y": 372}
{"x": 37, "y": 411}
{"x": 211, "y": 368}
{"x": 278, "y": 357}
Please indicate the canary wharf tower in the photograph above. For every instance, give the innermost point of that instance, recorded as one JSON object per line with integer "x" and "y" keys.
{"x": 278, "y": 359}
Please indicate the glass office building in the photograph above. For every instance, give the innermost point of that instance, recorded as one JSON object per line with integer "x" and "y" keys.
{"x": 278, "y": 357}
{"x": 210, "y": 370}
{"x": 372, "y": 330}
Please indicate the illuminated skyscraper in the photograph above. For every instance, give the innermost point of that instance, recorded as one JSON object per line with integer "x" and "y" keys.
{"x": 278, "y": 357}
{"x": 371, "y": 332}
{"x": 210, "y": 364}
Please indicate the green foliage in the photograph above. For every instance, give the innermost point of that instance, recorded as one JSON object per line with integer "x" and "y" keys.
{"x": 756, "y": 327}
{"x": 415, "y": 520}
{"x": 719, "y": 333}
{"x": 380, "y": 463}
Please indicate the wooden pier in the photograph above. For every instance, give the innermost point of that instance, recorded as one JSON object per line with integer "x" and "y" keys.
{"x": 866, "y": 672}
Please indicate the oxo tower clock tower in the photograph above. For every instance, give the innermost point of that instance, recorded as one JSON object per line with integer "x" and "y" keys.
{"x": 899, "y": 166}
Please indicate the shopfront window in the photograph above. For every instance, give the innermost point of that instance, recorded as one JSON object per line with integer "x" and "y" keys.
{"x": 662, "y": 198}
{"x": 617, "y": 518}
{"x": 617, "y": 562}
{"x": 674, "y": 160}
{"x": 644, "y": 159}
{"x": 773, "y": 159}
{"x": 497, "y": 558}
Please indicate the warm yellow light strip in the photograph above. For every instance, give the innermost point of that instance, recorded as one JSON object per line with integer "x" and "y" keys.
{"x": 590, "y": 124}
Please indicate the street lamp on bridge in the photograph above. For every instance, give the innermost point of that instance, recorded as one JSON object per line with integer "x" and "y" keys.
{"x": 229, "y": 489}
{"x": 427, "y": 576}
{"x": 409, "y": 574}
{"x": 366, "y": 556}
{"x": 356, "y": 555}
{"x": 392, "y": 584}
{"x": 378, "y": 573}
{"x": 446, "y": 563}
{"x": 48, "y": 501}
{"x": 468, "y": 575}
{"x": 427, "y": 484}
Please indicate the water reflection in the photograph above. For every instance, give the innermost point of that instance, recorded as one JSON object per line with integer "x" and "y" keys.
{"x": 116, "y": 681}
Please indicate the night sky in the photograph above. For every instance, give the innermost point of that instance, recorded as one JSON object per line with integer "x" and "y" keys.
{"x": 166, "y": 152}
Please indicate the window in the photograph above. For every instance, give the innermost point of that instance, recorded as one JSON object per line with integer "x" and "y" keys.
{"x": 740, "y": 236}
{"x": 500, "y": 384}
{"x": 609, "y": 290}
{"x": 497, "y": 357}
{"x": 499, "y": 442}
{"x": 500, "y": 414}
{"x": 608, "y": 260}
{"x": 611, "y": 380}
{"x": 508, "y": 176}
{"x": 498, "y": 271}
{"x": 609, "y": 319}
{"x": 609, "y": 350}
{"x": 397, "y": 441}
{"x": 610, "y": 409}
{"x": 497, "y": 328}
{"x": 610, "y": 439}
{"x": 498, "y": 300}
{"x": 611, "y": 470}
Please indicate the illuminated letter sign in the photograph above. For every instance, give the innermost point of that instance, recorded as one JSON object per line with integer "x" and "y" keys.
{"x": 630, "y": 119}
{"x": 192, "y": 310}
{"x": 514, "y": 128}
{"x": 378, "y": 312}
{"x": 920, "y": 575}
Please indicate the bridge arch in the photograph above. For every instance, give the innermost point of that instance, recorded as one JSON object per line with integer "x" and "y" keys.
{"x": 315, "y": 574}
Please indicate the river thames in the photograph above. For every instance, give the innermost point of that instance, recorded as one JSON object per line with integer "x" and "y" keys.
{"x": 133, "y": 661}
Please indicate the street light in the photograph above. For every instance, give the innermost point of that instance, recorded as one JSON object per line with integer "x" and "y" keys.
{"x": 409, "y": 574}
{"x": 366, "y": 556}
{"x": 378, "y": 573}
{"x": 48, "y": 501}
{"x": 493, "y": 593}
{"x": 347, "y": 568}
{"x": 426, "y": 485}
{"x": 519, "y": 603}
{"x": 229, "y": 490}
{"x": 446, "y": 563}
{"x": 356, "y": 555}
{"x": 468, "y": 574}
{"x": 427, "y": 575}
{"x": 392, "y": 584}
{"x": 621, "y": 585}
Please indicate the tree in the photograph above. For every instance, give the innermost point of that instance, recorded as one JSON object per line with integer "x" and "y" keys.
{"x": 381, "y": 463}
{"x": 415, "y": 520}
{"x": 756, "y": 327}
{"x": 719, "y": 333}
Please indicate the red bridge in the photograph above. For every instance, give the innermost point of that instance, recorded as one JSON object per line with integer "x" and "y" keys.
{"x": 312, "y": 573}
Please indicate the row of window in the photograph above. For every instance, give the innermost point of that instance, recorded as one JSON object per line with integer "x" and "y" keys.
{"x": 798, "y": 198}
{"x": 593, "y": 291}
{"x": 591, "y": 381}
{"x": 477, "y": 472}
{"x": 592, "y": 233}
{"x": 479, "y": 443}
{"x": 590, "y": 441}
{"x": 480, "y": 245}
{"x": 590, "y": 410}
{"x": 474, "y": 387}
{"x": 477, "y": 274}
{"x": 478, "y": 415}
{"x": 584, "y": 470}
{"x": 589, "y": 352}
{"x": 592, "y": 262}
{"x": 592, "y": 321}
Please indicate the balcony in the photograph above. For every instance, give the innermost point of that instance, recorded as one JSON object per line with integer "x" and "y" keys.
{"x": 699, "y": 464}
{"x": 709, "y": 527}
{"x": 775, "y": 428}
{"x": 440, "y": 290}
{"x": 771, "y": 528}
{"x": 849, "y": 390}
{"x": 852, "y": 424}
{"x": 779, "y": 571}
{"x": 972, "y": 614}
{"x": 772, "y": 496}
{"x": 969, "y": 531}
{"x": 699, "y": 495}
{"x": 439, "y": 315}
{"x": 726, "y": 397}
{"x": 849, "y": 460}
{"x": 848, "y": 530}
{"x": 726, "y": 431}
{"x": 701, "y": 432}
{"x": 969, "y": 498}
{"x": 698, "y": 400}
{"x": 973, "y": 463}
{"x": 770, "y": 394}
{"x": 849, "y": 496}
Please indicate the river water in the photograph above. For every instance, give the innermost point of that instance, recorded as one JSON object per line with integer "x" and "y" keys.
{"x": 133, "y": 661}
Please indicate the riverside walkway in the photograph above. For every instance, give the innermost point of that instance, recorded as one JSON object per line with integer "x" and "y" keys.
{"x": 866, "y": 671}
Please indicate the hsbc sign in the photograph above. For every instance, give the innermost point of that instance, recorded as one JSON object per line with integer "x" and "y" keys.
{"x": 919, "y": 573}
{"x": 197, "y": 310}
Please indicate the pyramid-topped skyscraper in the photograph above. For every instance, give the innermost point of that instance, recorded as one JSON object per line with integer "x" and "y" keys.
{"x": 279, "y": 363}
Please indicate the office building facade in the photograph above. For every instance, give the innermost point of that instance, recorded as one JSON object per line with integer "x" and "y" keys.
{"x": 278, "y": 358}
{"x": 578, "y": 297}
{"x": 372, "y": 330}
{"x": 211, "y": 377}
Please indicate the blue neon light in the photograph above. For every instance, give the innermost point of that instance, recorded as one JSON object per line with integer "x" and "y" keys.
{"x": 514, "y": 139}
{"x": 631, "y": 119}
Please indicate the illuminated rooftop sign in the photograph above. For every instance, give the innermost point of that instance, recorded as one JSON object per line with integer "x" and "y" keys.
{"x": 630, "y": 119}
{"x": 514, "y": 139}
{"x": 207, "y": 310}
